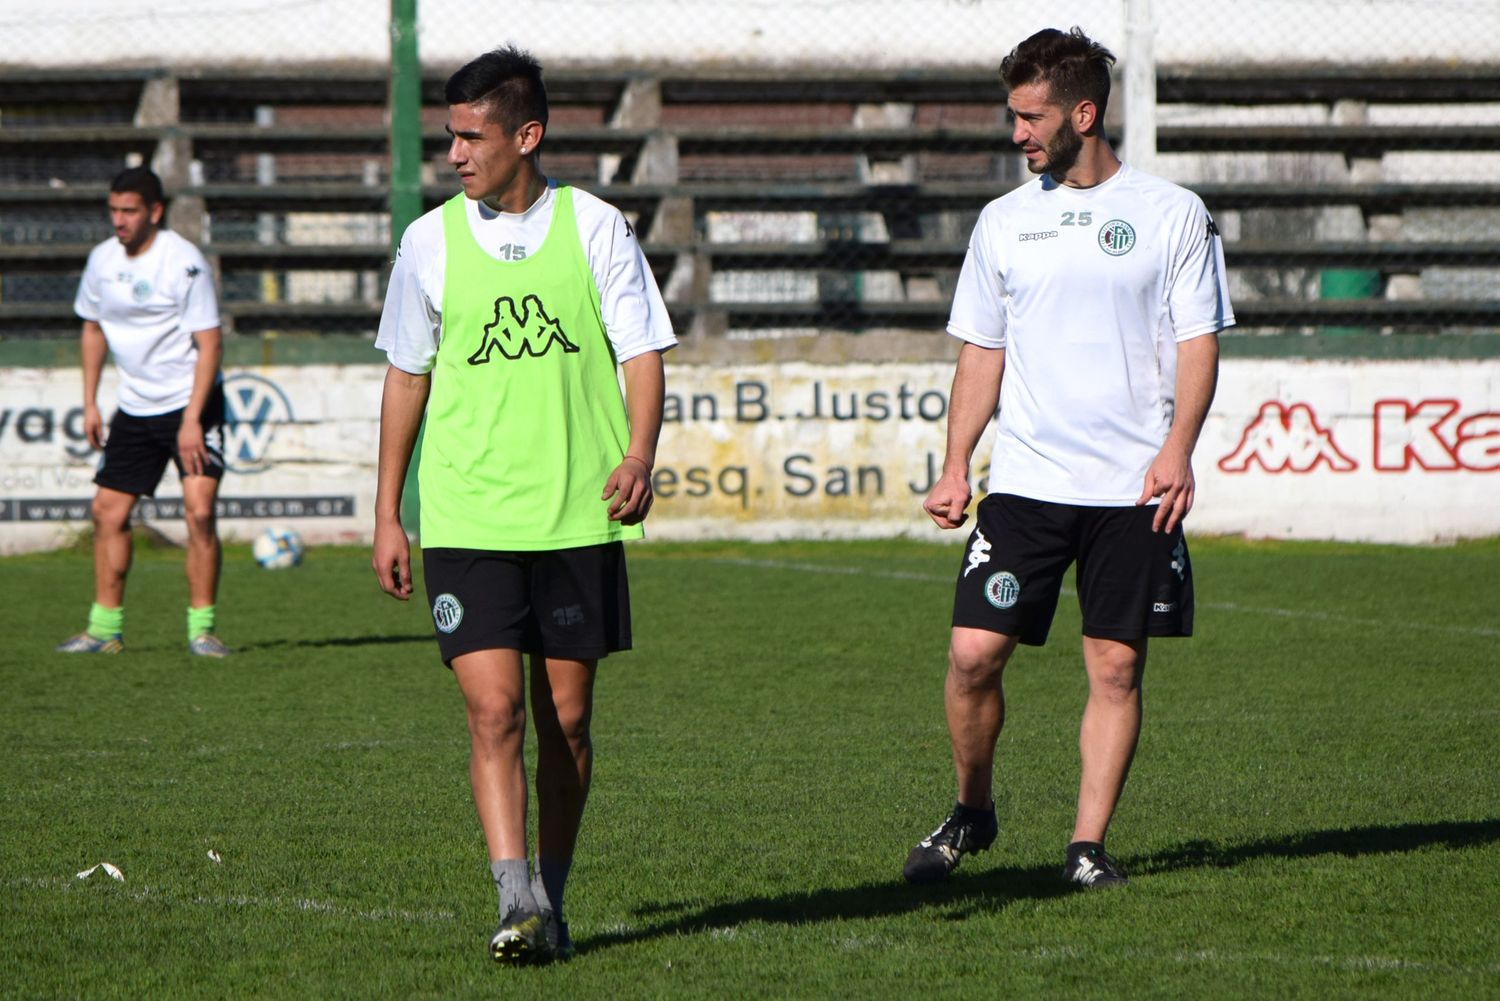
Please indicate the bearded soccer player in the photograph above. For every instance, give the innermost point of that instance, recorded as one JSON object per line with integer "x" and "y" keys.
{"x": 1089, "y": 305}
{"x": 147, "y": 299}
{"x": 507, "y": 312}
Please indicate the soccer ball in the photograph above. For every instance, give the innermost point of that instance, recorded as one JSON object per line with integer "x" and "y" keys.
{"x": 278, "y": 549}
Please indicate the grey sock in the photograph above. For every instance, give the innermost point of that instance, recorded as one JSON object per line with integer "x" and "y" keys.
{"x": 547, "y": 887}
{"x": 513, "y": 882}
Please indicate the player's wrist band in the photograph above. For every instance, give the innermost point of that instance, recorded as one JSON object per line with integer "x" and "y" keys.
{"x": 637, "y": 458}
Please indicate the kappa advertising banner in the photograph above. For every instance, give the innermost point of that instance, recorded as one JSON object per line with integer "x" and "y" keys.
{"x": 1375, "y": 451}
{"x": 1354, "y": 451}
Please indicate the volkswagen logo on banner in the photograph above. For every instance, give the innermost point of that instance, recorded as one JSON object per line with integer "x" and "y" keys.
{"x": 253, "y": 408}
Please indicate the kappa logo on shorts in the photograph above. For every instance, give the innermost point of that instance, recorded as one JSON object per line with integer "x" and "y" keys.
{"x": 447, "y": 612}
{"x": 1002, "y": 589}
{"x": 979, "y": 552}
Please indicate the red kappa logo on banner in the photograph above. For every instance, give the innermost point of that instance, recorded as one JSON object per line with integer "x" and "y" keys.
{"x": 1286, "y": 438}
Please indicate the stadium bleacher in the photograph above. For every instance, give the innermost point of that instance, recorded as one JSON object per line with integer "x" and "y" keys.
{"x": 819, "y": 201}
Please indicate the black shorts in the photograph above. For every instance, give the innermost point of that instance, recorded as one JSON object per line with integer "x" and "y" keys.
{"x": 1132, "y": 582}
{"x": 138, "y": 448}
{"x": 567, "y": 603}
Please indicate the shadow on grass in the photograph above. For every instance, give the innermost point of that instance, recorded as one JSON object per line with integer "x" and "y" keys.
{"x": 1354, "y": 841}
{"x": 964, "y": 894}
{"x": 349, "y": 641}
{"x": 994, "y": 889}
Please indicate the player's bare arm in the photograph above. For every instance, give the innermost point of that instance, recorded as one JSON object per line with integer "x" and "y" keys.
{"x": 976, "y": 392}
{"x": 1170, "y": 476}
{"x": 402, "y": 403}
{"x": 628, "y": 489}
{"x": 190, "y": 445}
{"x": 94, "y": 349}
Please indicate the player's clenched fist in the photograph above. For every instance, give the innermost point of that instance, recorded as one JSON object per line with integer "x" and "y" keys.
{"x": 946, "y": 503}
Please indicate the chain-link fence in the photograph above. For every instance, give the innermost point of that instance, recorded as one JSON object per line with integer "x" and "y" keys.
{"x": 793, "y": 167}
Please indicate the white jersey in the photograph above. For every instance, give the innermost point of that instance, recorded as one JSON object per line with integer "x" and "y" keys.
{"x": 635, "y": 318}
{"x": 149, "y": 307}
{"x": 1089, "y": 291}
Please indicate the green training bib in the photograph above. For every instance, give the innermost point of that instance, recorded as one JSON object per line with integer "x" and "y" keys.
{"x": 525, "y": 420}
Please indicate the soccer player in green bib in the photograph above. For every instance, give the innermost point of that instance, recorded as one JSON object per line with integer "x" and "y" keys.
{"x": 508, "y": 311}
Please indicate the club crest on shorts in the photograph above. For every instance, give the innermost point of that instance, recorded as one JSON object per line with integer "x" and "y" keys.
{"x": 1002, "y": 589}
{"x": 447, "y": 613}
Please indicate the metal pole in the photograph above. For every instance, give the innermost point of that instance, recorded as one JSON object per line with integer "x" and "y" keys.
{"x": 1140, "y": 86}
{"x": 406, "y": 120}
{"x": 406, "y": 178}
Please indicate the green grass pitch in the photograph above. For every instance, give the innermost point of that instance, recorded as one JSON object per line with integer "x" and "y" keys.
{"x": 1314, "y": 810}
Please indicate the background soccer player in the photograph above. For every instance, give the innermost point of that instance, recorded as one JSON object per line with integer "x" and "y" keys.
{"x": 507, "y": 311}
{"x": 147, "y": 299}
{"x": 1088, "y": 305}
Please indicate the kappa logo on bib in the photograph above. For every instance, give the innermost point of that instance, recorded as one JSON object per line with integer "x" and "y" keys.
{"x": 527, "y": 331}
{"x": 1116, "y": 237}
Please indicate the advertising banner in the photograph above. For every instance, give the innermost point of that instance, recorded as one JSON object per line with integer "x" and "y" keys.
{"x": 299, "y": 450}
{"x": 1388, "y": 451}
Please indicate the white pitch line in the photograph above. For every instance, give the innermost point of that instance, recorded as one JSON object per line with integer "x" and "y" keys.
{"x": 204, "y": 750}
{"x": 305, "y": 905}
{"x": 1350, "y": 620}
{"x": 1221, "y": 957}
{"x": 1218, "y": 606}
{"x": 1208, "y": 957}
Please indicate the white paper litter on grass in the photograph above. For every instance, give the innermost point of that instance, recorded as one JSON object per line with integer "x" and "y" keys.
{"x": 112, "y": 871}
{"x": 213, "y": 856}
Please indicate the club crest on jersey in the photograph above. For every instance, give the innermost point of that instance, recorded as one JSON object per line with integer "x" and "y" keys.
{"x": 1116, "y": 237}
{"x": 447, "y": 612}
{"x": 1002, "y": 589}
{"x": 141, "y": 290}
{"x": 516, "y": 332}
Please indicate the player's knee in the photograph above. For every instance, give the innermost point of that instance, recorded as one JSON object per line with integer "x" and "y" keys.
{"x": 497, "y": 721}
{"x": 973, "y": 666}
{"x": 573, "y": 723}
{"x": 109, "y": 516}
{"x": 200, "y": 521}
{"x": 1114, "y": 668}
{"x": 1117, "y": 683}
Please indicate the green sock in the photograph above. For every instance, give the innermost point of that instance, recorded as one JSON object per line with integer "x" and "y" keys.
{"x": 106, "y": 623}
{"x": 200, "y": 621}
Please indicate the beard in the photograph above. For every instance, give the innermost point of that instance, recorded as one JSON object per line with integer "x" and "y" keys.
{"x": 1062, "y": 153}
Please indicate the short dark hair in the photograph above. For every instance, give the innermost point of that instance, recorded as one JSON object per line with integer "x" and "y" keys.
{"x": 509, "y": 81}
{"x": 1072, "y": 64}
{"x": 142, "y": 181}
